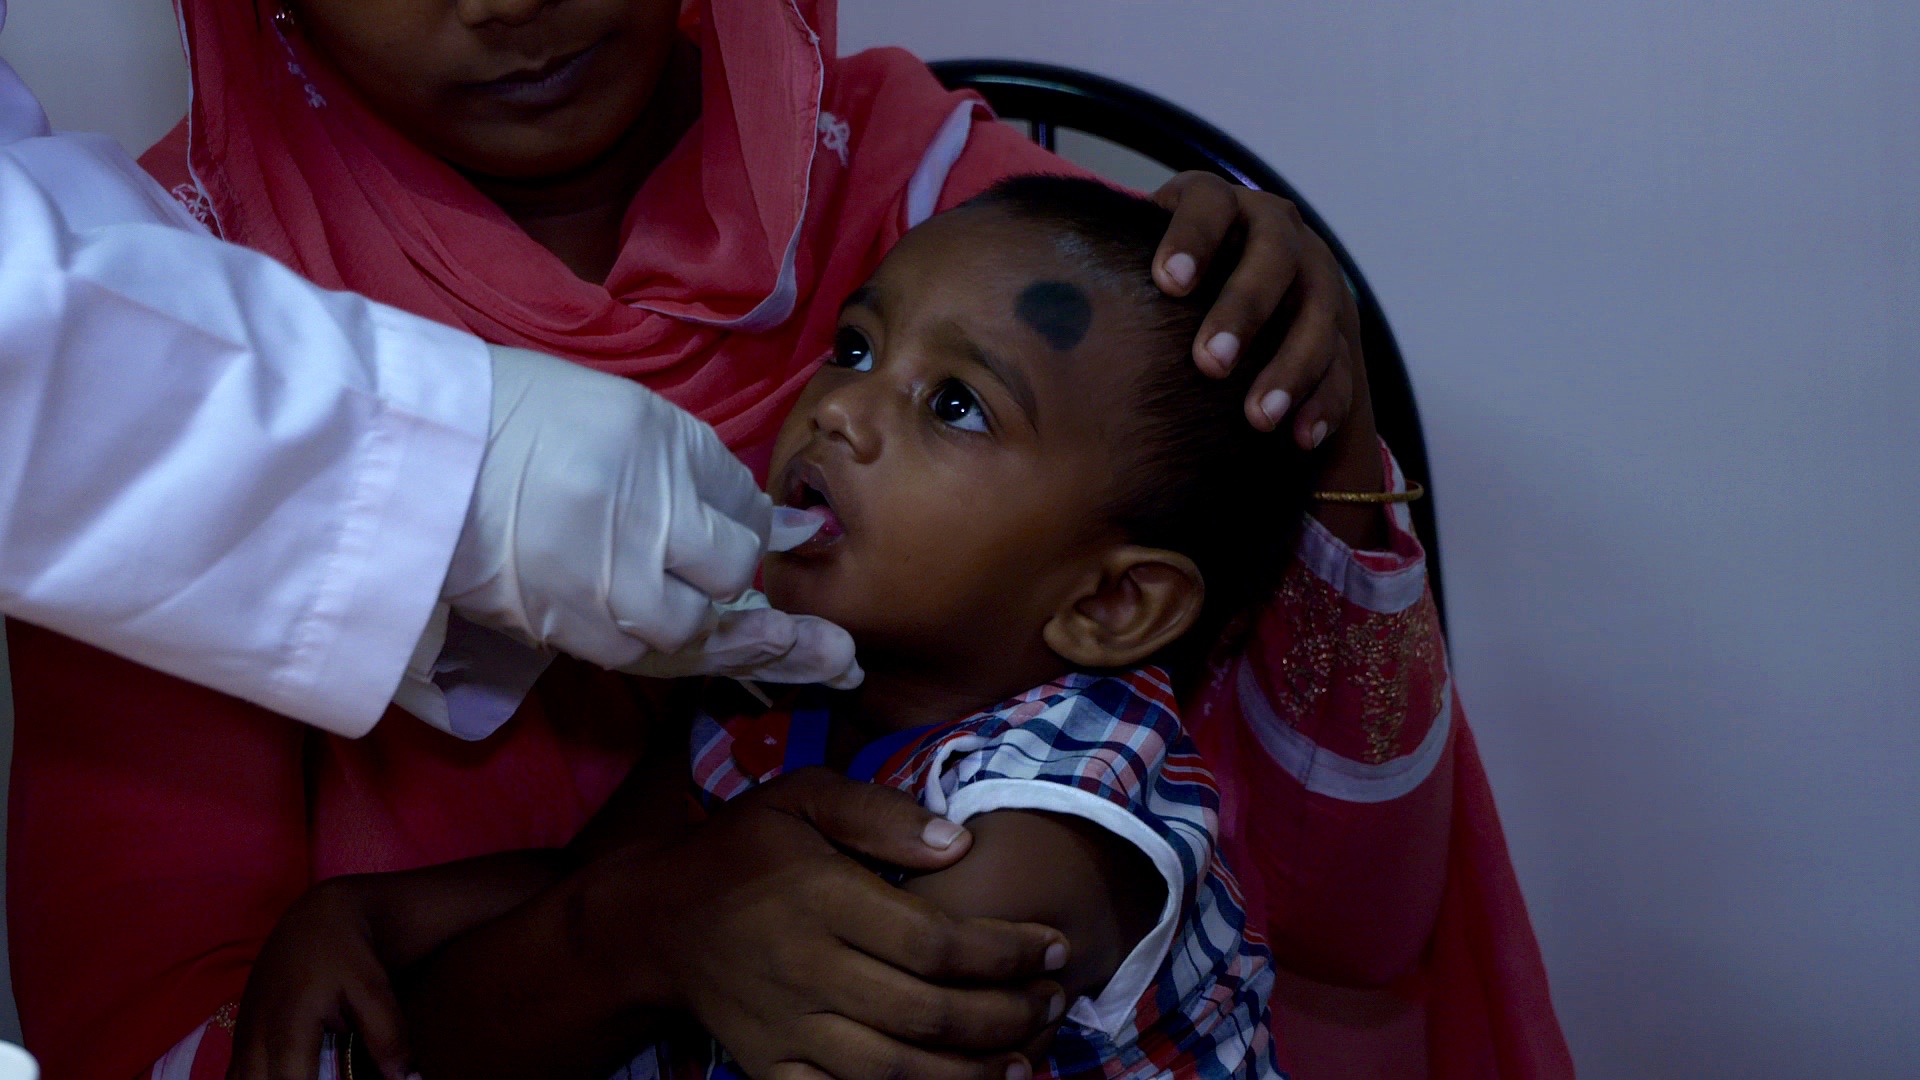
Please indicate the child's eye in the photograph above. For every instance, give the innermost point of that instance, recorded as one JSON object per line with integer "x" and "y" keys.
{"x": 956, "y": 406}
{"x": 852, "y": 350}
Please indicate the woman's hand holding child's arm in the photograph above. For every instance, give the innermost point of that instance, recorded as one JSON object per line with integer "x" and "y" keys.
{"x": 800, "y": 960}
{"x": 1065, "y": 872}
{"x": 808, "y": 965}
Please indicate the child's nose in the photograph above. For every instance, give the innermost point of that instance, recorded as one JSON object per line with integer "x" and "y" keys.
{"x": 848, "y": 413}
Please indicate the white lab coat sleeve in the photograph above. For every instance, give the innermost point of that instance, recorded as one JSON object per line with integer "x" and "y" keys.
{"x": 208, "y": 464}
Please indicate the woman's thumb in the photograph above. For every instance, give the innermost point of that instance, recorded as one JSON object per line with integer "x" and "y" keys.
{"x": 875, "y": 821}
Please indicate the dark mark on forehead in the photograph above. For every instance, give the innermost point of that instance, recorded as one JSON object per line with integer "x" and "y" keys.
{"x": 1058, "y": 311}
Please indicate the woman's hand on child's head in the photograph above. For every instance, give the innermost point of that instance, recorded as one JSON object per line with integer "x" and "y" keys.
{"x": 1317, "y": 374}
{"x": 803, "y": 963}
{"x": 318, "y": 972}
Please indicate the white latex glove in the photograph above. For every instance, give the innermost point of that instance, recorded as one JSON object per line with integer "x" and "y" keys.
{"x": 606, "y": 520}
{"x": 747, "y": 640}
{"x": 751, "y": 641}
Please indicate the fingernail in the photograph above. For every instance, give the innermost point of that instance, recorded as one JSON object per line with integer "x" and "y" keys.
{"x": 1318, "y": 433}
{"x": 1056, "y": 957}
{"x": 1055, "y": 1007}
{"x": 940, "y": 834}
{"x": 1275, "y": 404}
{"x": 1224, "y": 347}
{"x": 1180, "y": 269}
{"x": 1019, "y": 1070}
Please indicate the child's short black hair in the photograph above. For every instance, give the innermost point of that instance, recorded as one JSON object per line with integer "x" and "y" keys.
{"x": 1199, "y": 479}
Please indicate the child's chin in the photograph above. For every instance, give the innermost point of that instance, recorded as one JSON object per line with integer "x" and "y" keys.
{"x": 806, "y": 590}
{"x": 803, "y": 587}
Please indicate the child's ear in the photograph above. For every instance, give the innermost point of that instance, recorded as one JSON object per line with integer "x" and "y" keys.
{"x": 1138, "y": 601}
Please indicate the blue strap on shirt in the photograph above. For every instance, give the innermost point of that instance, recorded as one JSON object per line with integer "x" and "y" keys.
{"x": 807, "y": 734}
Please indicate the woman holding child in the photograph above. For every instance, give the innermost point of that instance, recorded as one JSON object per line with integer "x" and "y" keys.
{"x": 686, "y": 198}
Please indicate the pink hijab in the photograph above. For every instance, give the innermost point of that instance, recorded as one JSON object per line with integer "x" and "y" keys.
{"x": 758, "y": 210}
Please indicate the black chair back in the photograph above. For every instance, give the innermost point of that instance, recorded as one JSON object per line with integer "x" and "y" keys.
{"x": 1048, "y": 97}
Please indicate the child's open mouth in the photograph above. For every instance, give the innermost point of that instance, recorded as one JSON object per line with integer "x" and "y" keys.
{"x": 805, "y": 489}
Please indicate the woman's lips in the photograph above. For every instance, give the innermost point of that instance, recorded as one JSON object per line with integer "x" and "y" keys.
{"x": 551, "y": 84}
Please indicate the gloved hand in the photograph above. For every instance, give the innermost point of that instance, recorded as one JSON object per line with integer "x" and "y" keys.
{"x": 606, "y": 520}
{"x": 750, "y": 640}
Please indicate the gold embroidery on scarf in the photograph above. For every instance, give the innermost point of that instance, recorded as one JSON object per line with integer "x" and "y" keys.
{"x": 1379, "y": 653}
{"x": 1307, "y": 667}
{"x": 224, "y": 1016}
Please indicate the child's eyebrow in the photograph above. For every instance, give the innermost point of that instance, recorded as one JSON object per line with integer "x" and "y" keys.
{"x": 865, "y": 296}
{"x": 1018, "y": 386}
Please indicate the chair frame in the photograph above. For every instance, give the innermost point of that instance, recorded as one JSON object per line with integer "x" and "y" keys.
{"x": 1048, "y": 97}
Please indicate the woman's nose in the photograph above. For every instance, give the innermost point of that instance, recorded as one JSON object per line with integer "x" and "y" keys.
{"x": 503, "y": 12}
{"x": 848, "y": 413}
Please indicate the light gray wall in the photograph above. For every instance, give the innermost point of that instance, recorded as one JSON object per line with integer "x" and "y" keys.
{"x": 1655, "y": 268}
{"x": 113, "y": 66}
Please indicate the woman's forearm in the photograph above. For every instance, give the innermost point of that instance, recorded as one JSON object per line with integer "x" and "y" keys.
{"x": 758, "y": 923}
{"x": 1354, "y": 464}
{"x": 415, "y": 912}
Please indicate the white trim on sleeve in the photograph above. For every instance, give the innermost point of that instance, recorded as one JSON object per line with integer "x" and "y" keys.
{"x": 1112, "y": 1012}
{"x": 1324, "y": 772}
{"x": 1332, "y": 561}
{"x": 413, "y": 478}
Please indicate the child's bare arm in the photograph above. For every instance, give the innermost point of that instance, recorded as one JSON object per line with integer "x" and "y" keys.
{"x": 1065, "y": 872}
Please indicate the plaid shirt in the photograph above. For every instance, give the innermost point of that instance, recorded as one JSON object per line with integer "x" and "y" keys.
{"x": 1191, "y": 1000}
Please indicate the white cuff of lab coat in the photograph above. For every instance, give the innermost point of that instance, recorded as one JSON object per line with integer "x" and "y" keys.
{"x": 468, "y": 680}
{"x": 414, "y": 482}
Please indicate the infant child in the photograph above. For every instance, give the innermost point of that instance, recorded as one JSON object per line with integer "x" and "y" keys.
{"x": 1037, "y": 517}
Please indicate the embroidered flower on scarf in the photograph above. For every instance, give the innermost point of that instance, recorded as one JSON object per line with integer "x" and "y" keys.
{"x": 834, "y": 134}
{"x": 314, "y": 98}
{"x": 196, "y": 203}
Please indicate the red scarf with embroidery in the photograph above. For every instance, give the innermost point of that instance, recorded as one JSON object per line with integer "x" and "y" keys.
{"x": 760, "y": 210}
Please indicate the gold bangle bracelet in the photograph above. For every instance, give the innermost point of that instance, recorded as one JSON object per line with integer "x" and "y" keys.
{"x": 346, "y": 1056}
{"x": 1414, "y": 491}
